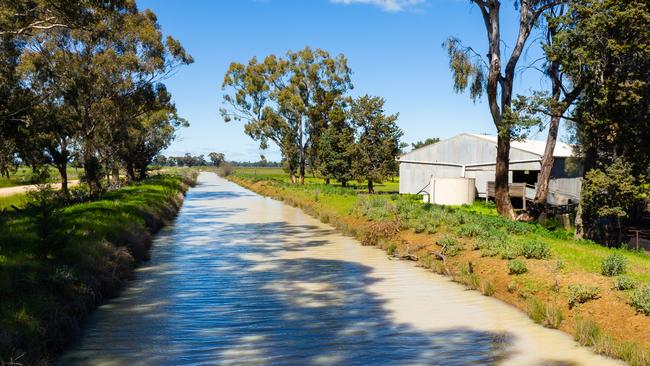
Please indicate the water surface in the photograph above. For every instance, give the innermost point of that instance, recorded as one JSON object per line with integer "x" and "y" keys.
{"x": 240, "y": 279}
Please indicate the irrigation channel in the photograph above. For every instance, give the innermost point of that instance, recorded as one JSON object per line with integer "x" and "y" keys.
{"x": 241, "y": 279}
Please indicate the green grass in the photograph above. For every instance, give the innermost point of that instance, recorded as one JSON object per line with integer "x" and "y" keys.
{"x": 278, "y": 174}
{"x": 55, "y": 264}
{"x": 23, "y": 176}
{"x": 17, "y": 200}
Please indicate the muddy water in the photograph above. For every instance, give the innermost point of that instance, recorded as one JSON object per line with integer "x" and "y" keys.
{"x": 240, "y": 279}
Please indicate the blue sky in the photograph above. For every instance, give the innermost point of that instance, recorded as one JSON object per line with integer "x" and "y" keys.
{"x": 393, "y": 47}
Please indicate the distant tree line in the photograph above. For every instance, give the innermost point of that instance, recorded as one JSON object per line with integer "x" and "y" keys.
{"x": 214, "y": 159}
{"x": 300, "y": 102}
{"x": 83, "y": 81}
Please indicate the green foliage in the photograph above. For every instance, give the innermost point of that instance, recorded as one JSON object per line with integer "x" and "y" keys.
{"x": 291, "y": 101}
{"x": 427, "y": 142}
{"x": 487, "y": 288}
{"x": 470, "y": 230}
{"x": 624, "y": 283}
{"x": 378, "y": 142}
{"x": 450, "y": 246}
{"x": 548, "y": 315}
{"x": 579, "y": 294}
{"x": 613, "y": 265}
{"x": 587, "y": 332}
{"x": 535, "y": 249}
{"x": 640, "y": 300}
{"x": 516, "y": 267}
{"x": 55, "y": 258}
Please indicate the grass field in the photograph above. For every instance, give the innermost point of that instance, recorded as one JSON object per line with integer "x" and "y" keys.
{"x": 277, "y": 174}
{"x": 476, "y": 247}
{"x": 58, "y": 262}
{"x": 23, "y": 176}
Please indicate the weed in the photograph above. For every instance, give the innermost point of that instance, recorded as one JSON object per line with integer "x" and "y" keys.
{"x": 547, "y": 315}
{"x": 624, "y": 283}
{"x": 587, "y": 332}
{"x": 579, "y": 294}
{"x": 640, "y": 300}
{"x": 450, "y": 246}
{"x": 535, "y": 249}
{"x": 516, "y": 267}
{"x": 613, "y": 265}
{"x": 470, "y": 230}
{"x": 487, "y": 288}
{"x": 391, "y": 249}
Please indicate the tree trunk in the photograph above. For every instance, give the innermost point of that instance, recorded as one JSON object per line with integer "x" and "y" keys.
{"x": 115, "y": 172}
{"x": 327, "y": 181}
{"x": 91, "y": 169}
{"x": 130, "y": 172}
{"x": 63, "y": 171}
{"x": 580, "y": 229}
{"x": 301, "y": 163}
{"x": 344, "y": 182}
{"x": 501, "y": 191}
{"x": 371, "y": 189}
{"x": 547, "y": 162}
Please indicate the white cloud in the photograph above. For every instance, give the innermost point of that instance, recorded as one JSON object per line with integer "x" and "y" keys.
{"x": 386, "y": 5}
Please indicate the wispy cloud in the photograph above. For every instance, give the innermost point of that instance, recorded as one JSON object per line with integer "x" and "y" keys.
{"x": 386, "y": 5}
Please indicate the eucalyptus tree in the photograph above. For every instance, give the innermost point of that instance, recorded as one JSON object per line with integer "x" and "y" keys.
{"x": 108, "y": 78}
{"x": 337, "y": 147}
{"x": 608, "y": 42}
{"x": 496, "y": 76}
{"x": 378, "y": 140}
{"x": 286, "y": 101}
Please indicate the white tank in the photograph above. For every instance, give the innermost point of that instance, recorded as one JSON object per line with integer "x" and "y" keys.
{"x": 452, "y": 191}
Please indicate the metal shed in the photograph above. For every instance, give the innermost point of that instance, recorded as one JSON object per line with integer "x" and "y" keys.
{"x": 474, "y": 156}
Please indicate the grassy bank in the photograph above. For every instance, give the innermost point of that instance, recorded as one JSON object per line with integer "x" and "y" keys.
{"x": 58, "y": 264}
{"x": 599, "y": 295}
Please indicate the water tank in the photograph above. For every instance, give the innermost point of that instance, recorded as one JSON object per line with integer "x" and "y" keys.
{"x": 452, "y": 191}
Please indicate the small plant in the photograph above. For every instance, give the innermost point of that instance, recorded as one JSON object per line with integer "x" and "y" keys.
{"x": 546, "y": 315}
{"x": 554, "y": 317}
{"x": 613, "y": 265}
{"x": 535, "y": 249}
{"x": 470, "y": 230}
{"x": 579, "y": 294}
{"x": 391, "y": 249}
{"x": 624, "y": 283}
{"x": 587, "y": 332}
{"x": 512, "y": 287}
{"x": 516, "y": 267}
{"x": 640, "y": 300}
{"x": 450, "y": 246}
{"x": 487, "y": 288}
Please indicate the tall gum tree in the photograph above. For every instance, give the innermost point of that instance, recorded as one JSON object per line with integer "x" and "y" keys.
{"x": 471, "y": 71}
{"x": 286, "y": 101}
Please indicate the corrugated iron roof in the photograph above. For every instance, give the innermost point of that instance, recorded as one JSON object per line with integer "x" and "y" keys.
{"x": 562, "y": 150}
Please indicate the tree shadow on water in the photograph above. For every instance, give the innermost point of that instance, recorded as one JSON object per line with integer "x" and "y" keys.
{"x": 210, "y": 302}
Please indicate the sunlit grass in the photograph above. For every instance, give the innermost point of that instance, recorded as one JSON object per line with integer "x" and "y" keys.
{"x": 23, "y": 176}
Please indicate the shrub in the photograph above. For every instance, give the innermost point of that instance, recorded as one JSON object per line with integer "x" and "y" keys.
{"x": 391, "y": 249}
{"x": 587, "y": 332}
{"x": 640, "y": 300}
{"x": 624, "y": 283}
{"x": 535, "y": 249}
{"x": 613, "y": 265}
{"x": 450, "y": 246}
{"x": 487, "y": 288}
{"x": 579, "y": 294}
{"x": 516, "y": 267}
{"x": 546, "y": 315}
{"x": 509, "y": 249}
{"x": 470, "y": 230}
